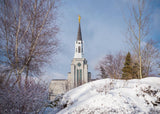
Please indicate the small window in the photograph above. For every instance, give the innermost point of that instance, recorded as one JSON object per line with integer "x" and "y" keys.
{"x": 79, "y": 49}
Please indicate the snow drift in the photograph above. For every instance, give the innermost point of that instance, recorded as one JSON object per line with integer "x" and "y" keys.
{"x": 114, "y": 96}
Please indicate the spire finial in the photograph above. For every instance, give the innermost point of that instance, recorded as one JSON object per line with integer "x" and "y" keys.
{"x": 79, "y": 18}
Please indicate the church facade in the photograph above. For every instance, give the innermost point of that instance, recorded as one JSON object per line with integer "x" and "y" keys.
{"x": 79, "y": 70}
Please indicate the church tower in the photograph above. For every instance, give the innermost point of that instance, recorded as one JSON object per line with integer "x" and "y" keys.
{"x": 79, "y": 68}
{"x": 79, "y": 43}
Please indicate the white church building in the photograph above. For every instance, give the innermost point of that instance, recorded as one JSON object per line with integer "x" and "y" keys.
{"x": 79, "y": 70}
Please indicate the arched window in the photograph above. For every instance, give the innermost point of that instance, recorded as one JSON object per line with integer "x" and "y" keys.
{"x": 79, "y": 77}
{"x": 79, "y": 49}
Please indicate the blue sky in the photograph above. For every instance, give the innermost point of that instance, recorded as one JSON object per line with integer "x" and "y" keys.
{"x": 103, "y": 31}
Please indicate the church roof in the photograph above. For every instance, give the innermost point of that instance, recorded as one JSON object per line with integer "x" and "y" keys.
{"x": 79, "y": 36}
{"x": 59, "y": 79}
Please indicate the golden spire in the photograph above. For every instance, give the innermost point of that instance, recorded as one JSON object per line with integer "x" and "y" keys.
{"x": 79, "y": 18}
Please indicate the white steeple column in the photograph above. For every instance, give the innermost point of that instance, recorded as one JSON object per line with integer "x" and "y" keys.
{"x": 78, "y": 49}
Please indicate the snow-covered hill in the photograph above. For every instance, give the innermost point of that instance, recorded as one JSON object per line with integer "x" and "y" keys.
{"x": 114, "y": 96}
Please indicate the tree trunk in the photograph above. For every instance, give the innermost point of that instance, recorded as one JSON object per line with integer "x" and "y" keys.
{"x": 18, "y": 80}
{"x": 26, "y": 79}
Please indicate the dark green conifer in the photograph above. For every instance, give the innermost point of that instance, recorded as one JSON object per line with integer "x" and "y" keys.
{"x": 127, "y": 69}
{"x": 135, "y": 71}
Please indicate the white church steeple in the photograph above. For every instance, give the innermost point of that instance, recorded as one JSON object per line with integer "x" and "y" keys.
{"x": 79, "y": 68}
{"x": 79, "y": 43}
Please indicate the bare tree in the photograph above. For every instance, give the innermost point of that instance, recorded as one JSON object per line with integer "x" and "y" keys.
{"x": 111, "y": 66}
{"x": 138, "y": 27}
{"x": 150, "y": 56}
{"x": 27, "y": 35}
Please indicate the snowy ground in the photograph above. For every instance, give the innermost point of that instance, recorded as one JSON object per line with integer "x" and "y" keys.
{"x": 114, "y": 96}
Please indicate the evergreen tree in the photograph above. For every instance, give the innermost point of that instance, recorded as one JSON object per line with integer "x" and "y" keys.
{"x": 135, "y": 71}
{"x": 144, "y": 72}
{"x": 127, "y": 69}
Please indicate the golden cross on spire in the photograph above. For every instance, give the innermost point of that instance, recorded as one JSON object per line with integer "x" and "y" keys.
{"x": 79, "y": 18}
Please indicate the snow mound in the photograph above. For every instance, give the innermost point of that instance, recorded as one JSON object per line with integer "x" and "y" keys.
{"x": 114, "y": 96}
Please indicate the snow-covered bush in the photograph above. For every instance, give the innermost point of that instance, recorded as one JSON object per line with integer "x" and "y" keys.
{"x": 30, "y": 98}
{"x": 149, "y": 92}
{"x": 106, "y": 88}
{"x": 57, "y": 101}
{"x": 54, "y": 106}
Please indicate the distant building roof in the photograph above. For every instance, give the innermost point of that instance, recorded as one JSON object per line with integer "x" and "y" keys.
{"x": 59, "y": 79}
